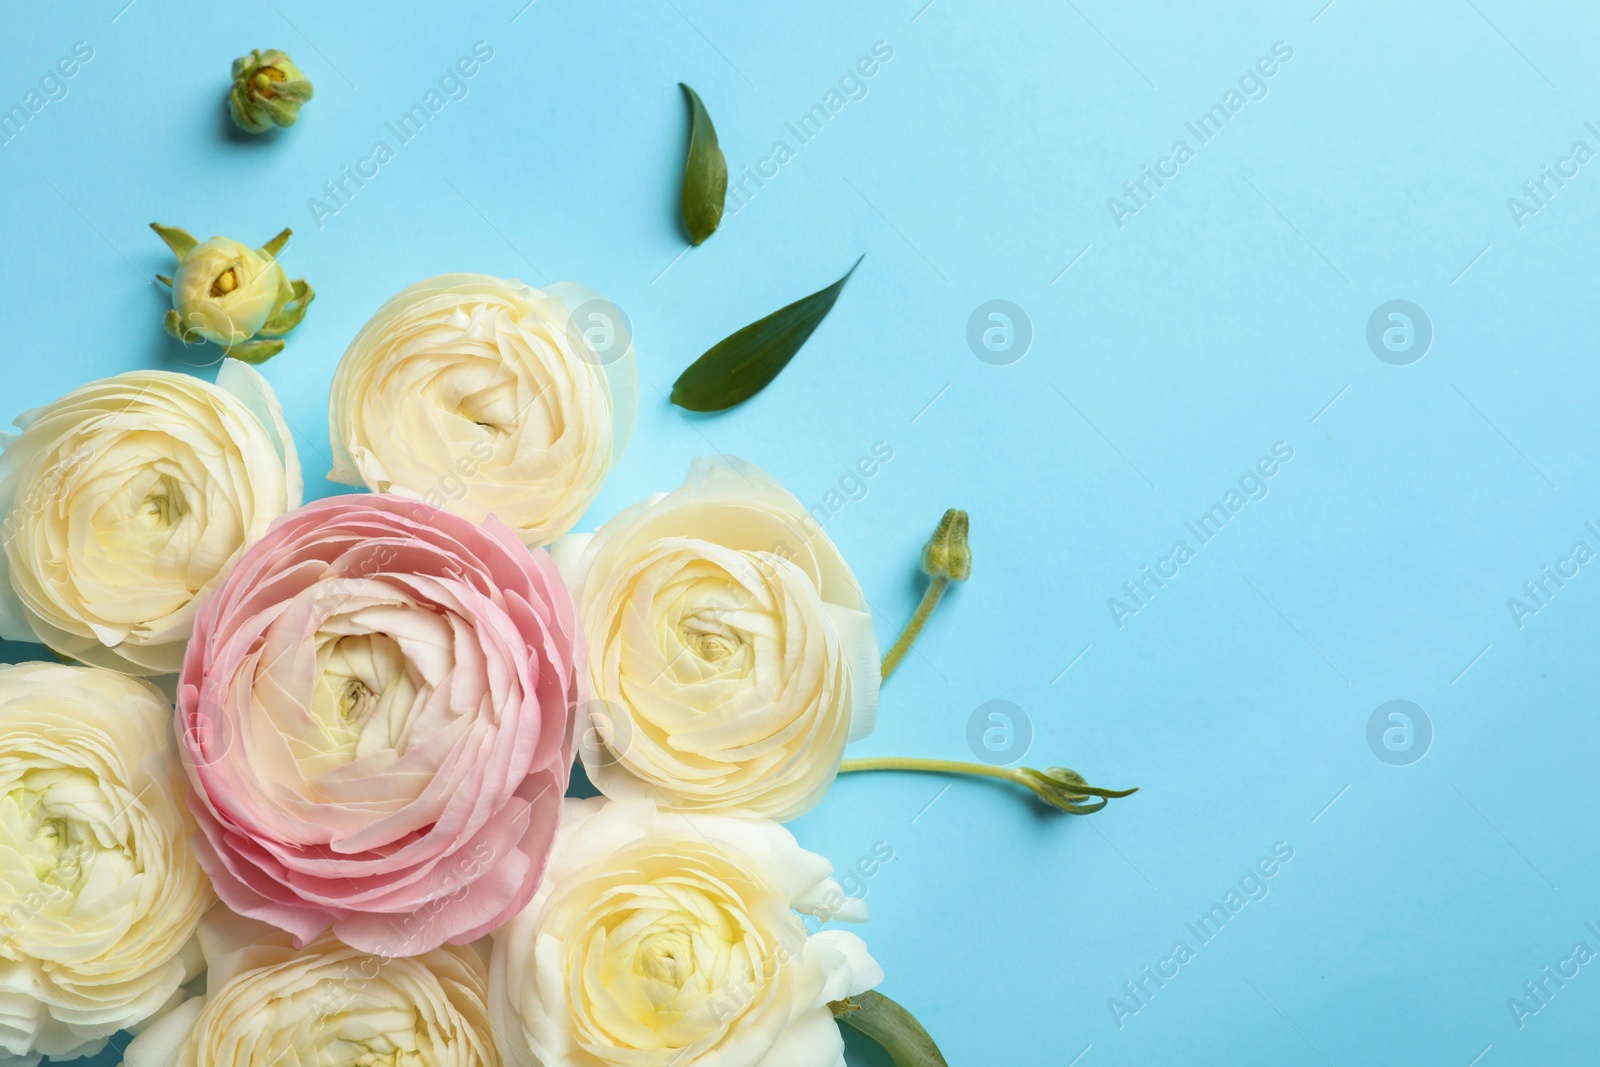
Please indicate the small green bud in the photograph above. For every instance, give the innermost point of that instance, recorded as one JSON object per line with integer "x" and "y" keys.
{"x": 268, "y": 90}
{"x": 1066, "y": 790}
{"x": 228, "y": 293}
{"x": 946, "y": 554}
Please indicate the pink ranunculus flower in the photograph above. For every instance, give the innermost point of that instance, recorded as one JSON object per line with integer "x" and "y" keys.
{"x": 376, "y": 713}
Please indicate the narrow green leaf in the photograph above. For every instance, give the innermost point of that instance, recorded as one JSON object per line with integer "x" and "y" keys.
{"x": 705, "y": 175}
{"x": 174, "y": 326}
{"x": 274, "y": 246}
{"x": 740, "y": 366}
{"x": 181, "y": 242}
{"x": 293, "y": 310}
{"x": 255, "y": 352}
{"x": 892, "y": 1027}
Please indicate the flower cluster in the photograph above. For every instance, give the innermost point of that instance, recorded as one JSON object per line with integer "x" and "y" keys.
{"x": 349, "y": 842}
{"x": 379, "y": 700}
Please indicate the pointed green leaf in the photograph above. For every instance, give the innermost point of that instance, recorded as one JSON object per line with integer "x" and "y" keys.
{"x": 164, "y": 280}
{"x": 892, "y": 1027}
{"x": 274, "y": 246}
{"x": 740, "y": 366}
{"x": 705, "y": 175}
{"x": 293, "y": 310}
{"x": 174, "y": 326}
{"x": 255, "y": 352}
{"x": 181, "y": 242}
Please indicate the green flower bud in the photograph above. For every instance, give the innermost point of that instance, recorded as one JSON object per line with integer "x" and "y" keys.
{"x": 268, "y": 90}
{"x": 226, "y": 292}
{"x": 946, "y": 554}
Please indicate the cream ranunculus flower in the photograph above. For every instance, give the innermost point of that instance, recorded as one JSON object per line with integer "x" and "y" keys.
{"x": 100, "y": 891}
{"x": 730, "y": 649}
{"x": 226, "y": 291}
{"x": 673, "y": 940}
{"x": 126, "y": 500}
{"x": 485, "y": 396}
{"x": 269, "y": 1004}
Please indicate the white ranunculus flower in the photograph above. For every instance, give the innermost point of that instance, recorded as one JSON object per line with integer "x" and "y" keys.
{"x": 672, "y": 940}
{"x": 486, "y": 396}
{"x": 730, "y": 649}
{"x": 100, "y": 891}
{"x": 269, "y": 1004}
{"x": 126, "y": 500}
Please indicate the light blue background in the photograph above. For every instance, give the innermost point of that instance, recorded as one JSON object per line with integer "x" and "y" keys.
{"x": 1229, "y": 313}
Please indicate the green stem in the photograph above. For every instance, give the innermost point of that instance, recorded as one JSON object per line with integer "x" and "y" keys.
{"x": 902, "y": 644}
{"x": 929, "y": 766}
{"x": 1061, "y": 788}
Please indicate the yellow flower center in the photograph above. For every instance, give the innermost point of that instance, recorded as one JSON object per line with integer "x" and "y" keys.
{"x": 164, "y": 504}
{"x": 226, "y": 282}
{"x": 666, "y": 945}
{"x": 355, "y": 700}
{"x": 711, "y": 647}
{"x": 361, "y": 698}
{"x": 667, "y": 957}
{"x": 54, "y": 848}
{"x": 261, "y": 83}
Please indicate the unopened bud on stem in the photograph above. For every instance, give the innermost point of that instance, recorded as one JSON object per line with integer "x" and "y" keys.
{"x": 946, "y": 554}
{"x": 945, "y": 559}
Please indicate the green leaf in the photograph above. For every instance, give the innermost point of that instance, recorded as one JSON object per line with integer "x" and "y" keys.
{"x": 705, "y": 175}
{"x": 173, "y": 324}
{"x": 892, "y": 1027}
{"x": 274, "y": 246}
{"x": 181, "y": 242}
{"x": 293, "y": 310}
{"x": 740, "y": 366}
{"x": 254, "y": 352}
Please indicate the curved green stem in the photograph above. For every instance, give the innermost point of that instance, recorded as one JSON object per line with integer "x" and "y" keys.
{"x": 1061, "y": 788}
{"x": 927, "y": 766}
{"x": 902, "y": 644}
